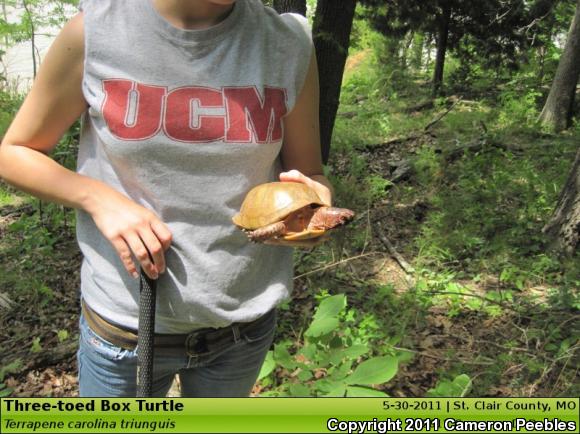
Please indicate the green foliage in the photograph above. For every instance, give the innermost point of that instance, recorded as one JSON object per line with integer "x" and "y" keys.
{"x": 34, "y": 235}
{"x": 333, "y": 360}
{"x": 62, "y": 335}
{"x": 36, "y": 347}
{"x": 9, "y": 104}
{"x": 427, "y": 166}
{"x": 491, "y": 211}
{"x": 11, "y": 368}
{"x": 519, "y": 110}
{"x": 27, "y": 16}
{"x": 458, "y": 387}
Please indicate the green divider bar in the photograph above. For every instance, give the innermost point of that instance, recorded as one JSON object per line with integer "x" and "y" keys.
{"x": 289, "y": 415}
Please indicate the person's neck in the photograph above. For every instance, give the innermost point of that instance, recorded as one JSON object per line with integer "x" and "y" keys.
{"x": 192, "y": 14}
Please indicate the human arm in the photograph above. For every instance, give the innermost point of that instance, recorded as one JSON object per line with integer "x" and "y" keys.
{"x": 301, "y": 157}
{"x": 53, "y": 104}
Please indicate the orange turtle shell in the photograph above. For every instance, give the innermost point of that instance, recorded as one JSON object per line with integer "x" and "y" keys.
{"x": 273, "y": 202}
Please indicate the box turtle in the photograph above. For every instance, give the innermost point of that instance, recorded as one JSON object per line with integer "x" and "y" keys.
{"x": 288, "y": 210}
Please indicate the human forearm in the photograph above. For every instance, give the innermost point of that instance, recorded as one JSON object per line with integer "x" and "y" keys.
{"x": 38, "y": 174}
{"x": 131, "y": 228}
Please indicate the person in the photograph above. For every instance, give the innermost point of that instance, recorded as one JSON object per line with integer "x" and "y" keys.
{"x": 185, "y": 106}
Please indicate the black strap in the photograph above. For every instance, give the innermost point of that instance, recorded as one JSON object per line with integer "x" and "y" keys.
{"x": 145, "y": 334}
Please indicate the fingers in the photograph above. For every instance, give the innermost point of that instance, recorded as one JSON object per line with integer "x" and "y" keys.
{"x": 125, "y": 254}
{"x": 155, "y": 249}
{"x": 134, "y": 231}
{"x": 141, "y": 252}
{"x": 147, "y": 243}
{"x": 294, "y": 176}
{"x": 308, "y": 243}
{"x": 162, "y": 233}
{"x": 321, "y": 190}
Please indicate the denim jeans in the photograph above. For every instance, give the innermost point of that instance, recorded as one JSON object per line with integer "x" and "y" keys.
{"x": 106, "y": 370}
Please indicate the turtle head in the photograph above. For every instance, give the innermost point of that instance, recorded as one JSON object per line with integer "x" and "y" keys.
{"x": 328, "y": 217}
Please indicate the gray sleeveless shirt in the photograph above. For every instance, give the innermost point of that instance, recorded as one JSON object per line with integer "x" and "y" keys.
{"x": 185, "y": 123}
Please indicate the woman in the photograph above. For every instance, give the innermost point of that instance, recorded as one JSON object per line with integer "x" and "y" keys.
{"x": 186, "y": 105}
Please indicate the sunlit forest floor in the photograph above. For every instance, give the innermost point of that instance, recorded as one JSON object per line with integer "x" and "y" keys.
{"x": 444, "y": 270}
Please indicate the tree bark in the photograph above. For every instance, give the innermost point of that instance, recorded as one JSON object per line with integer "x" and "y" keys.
{"x": 331, "y": 34}
{"x": 557, "y": 112}
{"x": 563, "y": 230}
{"x": 32, "y": 36}
{"x": 442, "y": 38}
{"x": 417, "y": 56}
{"x": 297, "y": 6}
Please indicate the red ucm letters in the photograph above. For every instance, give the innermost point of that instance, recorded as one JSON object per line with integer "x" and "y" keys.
{"x": 194, "y": 114}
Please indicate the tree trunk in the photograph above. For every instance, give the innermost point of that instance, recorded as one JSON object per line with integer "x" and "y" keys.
{"x": 298, "y": 6}
{"x": 32, "y": 36}
{"x": 557, "y": 112}
{"x": 417, "y": 56}
{"x": 563, "y": 230}
{"x": 331, "y": 33}
{"x": 405, "y": 50}
{"x": 442, "y": 38}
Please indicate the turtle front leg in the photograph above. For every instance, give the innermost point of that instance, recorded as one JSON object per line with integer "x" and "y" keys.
{"x": 266, "y": 232}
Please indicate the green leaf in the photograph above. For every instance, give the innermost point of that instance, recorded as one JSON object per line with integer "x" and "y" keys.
{"x": 321, "y": 327}
{"x": 405, "y": 356}
{"x": 268, "y": 366}
{"x": 305, "y": 375}
{"x": 336, "y": 342}
{"x": 309, "y": 351}
{"x": 374, "y": 371}
{"x": 299, "y": 390}
{"x": 355, "y": 351}
{"x": 334, "y": 358}
{"x": 62, "y": 335}
{"x": 363, "y": 392}
{"x": 337, "y": 356}
{"x": 283, "y": 357}
{"x": 341, "y": 372}
{"x": 331, "y": 388}
{"x": 459, "y": 387}
{"x": 5, "y": 391}
{"x": 330, "y": 307}
{"x": 11, "y": 368}
{"x": 36, "y": 347}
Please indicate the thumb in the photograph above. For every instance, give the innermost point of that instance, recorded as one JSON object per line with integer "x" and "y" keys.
{"x": 294, "y": 176}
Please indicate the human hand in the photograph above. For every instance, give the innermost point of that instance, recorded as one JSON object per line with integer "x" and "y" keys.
{"x": 307, "y": 243}
{"x": 322, "y": 189}
{"x": 131, "y": 229}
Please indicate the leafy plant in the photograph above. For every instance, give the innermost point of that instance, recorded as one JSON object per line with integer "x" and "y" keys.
{"x": 36, "y": 347}
{"x": 458, "y": 387}
{"x": 11, "y": 368}
{"x": 330, "y": 362}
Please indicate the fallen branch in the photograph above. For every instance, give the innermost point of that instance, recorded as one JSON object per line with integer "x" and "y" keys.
{"x": 334, "y": 264}
{"x": 477, "y": 146}
{"x": 407, "y": 268}
{"x": 5, "y": 301}
{"x": 470, "y": 294}
{"x": 436, "y": 120}
{"x": 447, "y": 359}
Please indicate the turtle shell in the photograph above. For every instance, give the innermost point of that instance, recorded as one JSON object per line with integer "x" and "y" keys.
{"x": 272, "y": 202}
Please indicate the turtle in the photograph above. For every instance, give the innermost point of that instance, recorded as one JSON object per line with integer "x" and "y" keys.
{"x": 287, "y": 210}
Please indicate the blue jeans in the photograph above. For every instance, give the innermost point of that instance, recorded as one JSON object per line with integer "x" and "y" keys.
{"x": 106, "y": 370}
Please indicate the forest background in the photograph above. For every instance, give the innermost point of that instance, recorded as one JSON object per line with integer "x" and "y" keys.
{"x": 452, "y": 128}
